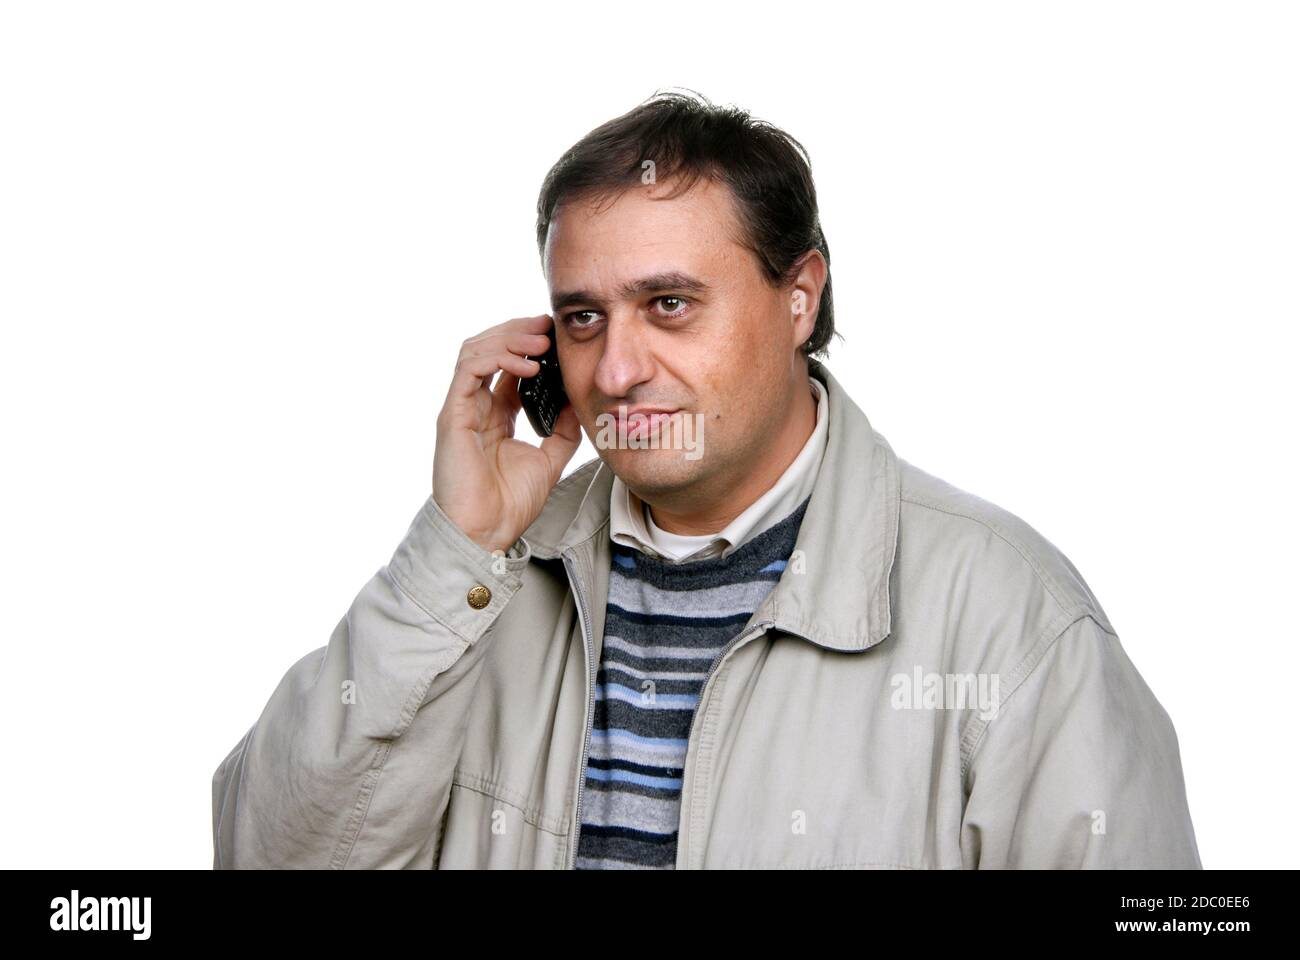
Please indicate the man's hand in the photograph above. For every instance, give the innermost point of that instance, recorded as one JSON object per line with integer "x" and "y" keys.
{"x": 489, "y": 484}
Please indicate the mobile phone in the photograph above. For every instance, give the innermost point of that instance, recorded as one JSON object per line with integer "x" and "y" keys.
{"x": 542, "y": 395}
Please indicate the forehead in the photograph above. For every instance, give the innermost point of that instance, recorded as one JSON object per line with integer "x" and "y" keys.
{"x": 595, "y": 241}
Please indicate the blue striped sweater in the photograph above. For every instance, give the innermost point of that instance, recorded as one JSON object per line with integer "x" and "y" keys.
{"x": 665, "y": 624}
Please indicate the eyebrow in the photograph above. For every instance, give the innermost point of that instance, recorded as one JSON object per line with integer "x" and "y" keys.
{"x": 669, "y": 280}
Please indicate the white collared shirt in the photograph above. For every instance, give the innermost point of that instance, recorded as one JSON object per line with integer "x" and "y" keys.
{"x": 631, "y": 524}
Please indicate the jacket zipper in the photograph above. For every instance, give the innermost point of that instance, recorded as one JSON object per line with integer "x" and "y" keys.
{"x": 588, "y": 659}
{"x": 735, "y": 642}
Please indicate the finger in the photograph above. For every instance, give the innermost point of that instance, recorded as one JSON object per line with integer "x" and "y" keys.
{"x": 506, "y": 351}
{"x": 563, "y": 442}
{"x": 524, "y": 344}
{"x": 471, "y": 372}
{"x": 526, "y": 325}
{"x": 506, "y": 403}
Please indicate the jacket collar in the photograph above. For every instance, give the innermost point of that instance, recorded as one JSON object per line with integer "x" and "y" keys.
{"x": 835, "y": 590}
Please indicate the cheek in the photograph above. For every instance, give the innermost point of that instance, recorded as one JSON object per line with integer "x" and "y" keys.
{"x": 757, "y": 343}
{"x": 734, "y": 393}
{"x": 740, "y": 361}
{"x": 577, "y": 379}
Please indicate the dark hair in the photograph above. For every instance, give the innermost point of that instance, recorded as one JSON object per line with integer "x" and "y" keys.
{"x": 768, "y": 171}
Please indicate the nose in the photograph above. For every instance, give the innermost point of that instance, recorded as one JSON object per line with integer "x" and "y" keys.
{"x": 625, "y": 359}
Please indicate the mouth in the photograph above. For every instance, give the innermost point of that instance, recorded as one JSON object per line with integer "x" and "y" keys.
{"x": 642, "y": 421}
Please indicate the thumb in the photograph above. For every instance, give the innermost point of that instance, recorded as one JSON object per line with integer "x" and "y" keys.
{"x": 563, "y": 442}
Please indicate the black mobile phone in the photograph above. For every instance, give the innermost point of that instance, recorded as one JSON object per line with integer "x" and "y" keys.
{"x": 543, "y": 395}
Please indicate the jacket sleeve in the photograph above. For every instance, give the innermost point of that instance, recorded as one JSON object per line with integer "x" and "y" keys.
{"x": 350, "y": 763}
{"x": 1078, "y": 768}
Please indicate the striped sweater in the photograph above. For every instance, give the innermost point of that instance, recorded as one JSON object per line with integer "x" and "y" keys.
{"x": 665, "y": 624}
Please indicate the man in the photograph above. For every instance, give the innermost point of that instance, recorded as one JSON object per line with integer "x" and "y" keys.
{"x": 746, "y": 635}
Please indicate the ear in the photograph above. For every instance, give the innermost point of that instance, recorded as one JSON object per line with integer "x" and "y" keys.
{"x": 806, "y": 295}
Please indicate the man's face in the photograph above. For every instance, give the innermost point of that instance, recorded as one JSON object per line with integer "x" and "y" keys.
{"x": 658, "y": 306}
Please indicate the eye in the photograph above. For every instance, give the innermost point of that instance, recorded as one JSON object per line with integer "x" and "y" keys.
{"x": 568, "y": 318}
{"x": 676, "y": 305}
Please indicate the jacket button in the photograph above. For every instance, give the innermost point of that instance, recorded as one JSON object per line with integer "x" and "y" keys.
{"x": 479, "y": 596}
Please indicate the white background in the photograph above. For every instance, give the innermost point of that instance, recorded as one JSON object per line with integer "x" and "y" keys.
{"x": 240, "y": 244}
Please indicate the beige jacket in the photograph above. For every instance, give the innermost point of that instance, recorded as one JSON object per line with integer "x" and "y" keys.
{"x": 930, "y": 684}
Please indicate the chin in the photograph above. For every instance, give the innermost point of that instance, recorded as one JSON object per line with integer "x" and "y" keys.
{"x": 654, "y": 472}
